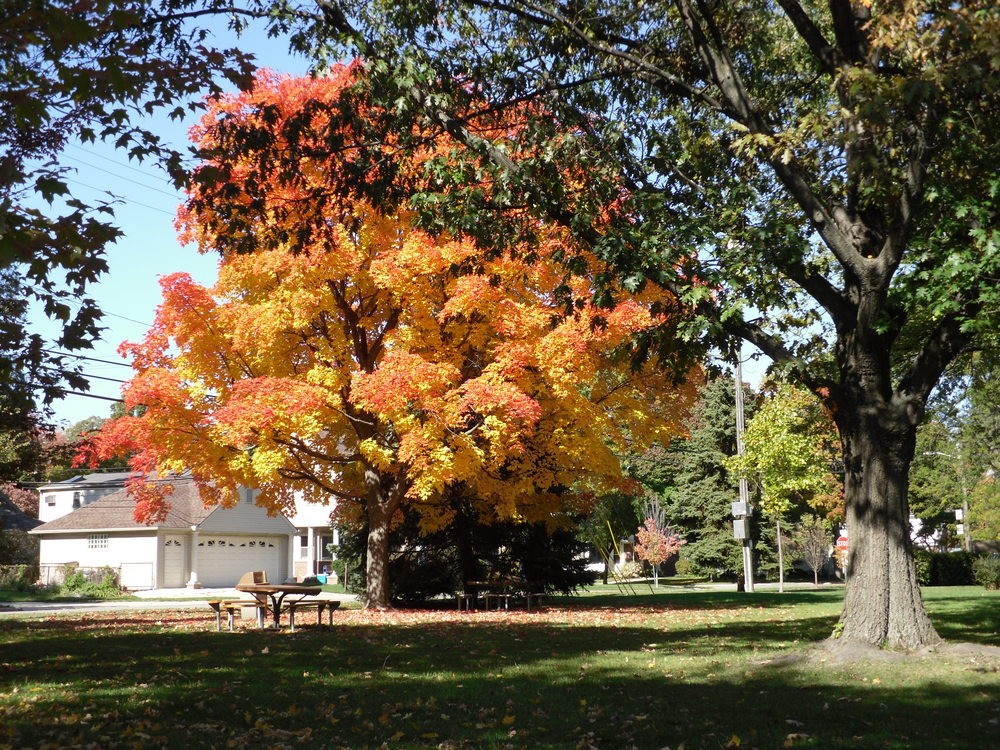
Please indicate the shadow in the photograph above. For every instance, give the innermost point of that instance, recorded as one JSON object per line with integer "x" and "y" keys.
{"x": 473, "y": 682}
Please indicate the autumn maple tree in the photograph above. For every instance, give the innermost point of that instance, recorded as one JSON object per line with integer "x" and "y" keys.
{"x": 655, "y": 542}
{"x": 351, "y": 357}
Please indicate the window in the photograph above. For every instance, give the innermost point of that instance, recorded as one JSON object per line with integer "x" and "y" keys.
{"x": 76, "y": 500}
{"x": 50, "y": 499}
{"x": 97, "y": 541}
{"x": 324, "y": 543}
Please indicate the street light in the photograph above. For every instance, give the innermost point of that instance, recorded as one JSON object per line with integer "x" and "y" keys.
{"x": 964, "y": 528}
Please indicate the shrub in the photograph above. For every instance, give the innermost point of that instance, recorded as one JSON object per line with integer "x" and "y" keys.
{"x": 78, "y": 583}
{"x": 684, "y": 567}
{"x": 631, "y": 569}
{"x": 19, "y": 577}
{"x": 986, "y": 571}
{"x": 943, "y": 568}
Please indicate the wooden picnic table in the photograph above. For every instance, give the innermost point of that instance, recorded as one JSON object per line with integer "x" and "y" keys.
{"x": 502, "y": 589}
{"x": 276, "y": 593}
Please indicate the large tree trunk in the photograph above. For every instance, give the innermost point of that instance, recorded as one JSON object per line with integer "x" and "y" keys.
{"x": 377, "y": 594}
{"x": 382, "y": 498}
{"x": 883, "y": 605}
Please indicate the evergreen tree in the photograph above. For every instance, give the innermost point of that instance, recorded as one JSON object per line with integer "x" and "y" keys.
{"x": 699, "y": 501}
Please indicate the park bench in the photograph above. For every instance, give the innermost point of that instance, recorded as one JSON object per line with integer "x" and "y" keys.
{"x": 321, "y": 605}
{"x": 231, "y": 607}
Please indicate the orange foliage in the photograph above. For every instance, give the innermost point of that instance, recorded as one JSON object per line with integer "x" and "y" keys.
{"x": 350, "y": 362}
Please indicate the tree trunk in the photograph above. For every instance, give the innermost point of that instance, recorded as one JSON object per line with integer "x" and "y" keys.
{"x": 377, "y": 594}
{"x": 882, "y": 606}
{"x": 382, "y": 498}
{"x": 781, "y": 558}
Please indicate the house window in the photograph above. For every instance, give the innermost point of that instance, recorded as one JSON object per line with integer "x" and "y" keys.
{"x": 248, "y": 495}
{"x": 97, "y": 541}
{"x": 323, "y": 553}
{"x": 76, "y": 500}
{"x": 50, "y": 499}
{"x": 303, "y": 547}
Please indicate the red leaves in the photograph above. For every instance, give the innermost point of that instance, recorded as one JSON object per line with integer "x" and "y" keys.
{"x": 151, "y": 506}
{"x": 655, "y": 544}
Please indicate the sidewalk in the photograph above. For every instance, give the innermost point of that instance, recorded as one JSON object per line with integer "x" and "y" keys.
{"x": 153, "y": 599}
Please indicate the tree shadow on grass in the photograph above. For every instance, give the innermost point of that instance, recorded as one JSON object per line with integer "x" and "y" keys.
{"x": 472, "y": 683}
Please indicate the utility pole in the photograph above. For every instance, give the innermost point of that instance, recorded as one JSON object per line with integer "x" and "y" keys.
{"x": 741, "y": 526}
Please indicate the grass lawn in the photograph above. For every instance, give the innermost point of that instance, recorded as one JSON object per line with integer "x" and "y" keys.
{"x": 680, "y": 668}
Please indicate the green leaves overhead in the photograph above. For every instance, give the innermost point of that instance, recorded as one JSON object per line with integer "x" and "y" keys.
{"x": 87, "y": 71}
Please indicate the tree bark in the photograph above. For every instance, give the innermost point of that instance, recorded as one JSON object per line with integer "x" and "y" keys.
{"x": 781, "y": 558}
{"x": 377, "y": 594}
{"x": 382, "y": 498}
{"x": 883, "y": 606}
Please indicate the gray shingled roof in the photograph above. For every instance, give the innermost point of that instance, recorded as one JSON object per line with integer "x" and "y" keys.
{"x": 114, "y": 511}
{"x": 13, "y": 518}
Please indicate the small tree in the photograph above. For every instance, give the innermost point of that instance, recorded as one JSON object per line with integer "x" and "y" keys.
{"x": 655, "y": 542}
{"x": 811, "y": 540}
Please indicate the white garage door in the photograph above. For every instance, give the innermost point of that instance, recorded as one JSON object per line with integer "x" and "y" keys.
{"x": 222, "y": 560}
{"x": 174, "y": 574}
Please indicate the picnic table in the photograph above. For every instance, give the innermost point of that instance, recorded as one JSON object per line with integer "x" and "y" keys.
{"x": 499, "y": 591}
{"x": 277, "y": 593}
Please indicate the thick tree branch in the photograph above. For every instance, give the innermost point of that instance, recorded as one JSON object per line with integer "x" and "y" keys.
{"x": 828, "y": 55}
{"x": 945, "y": 342}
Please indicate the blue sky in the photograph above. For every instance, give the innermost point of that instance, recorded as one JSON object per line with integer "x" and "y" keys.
{"x": 130, "y": 292}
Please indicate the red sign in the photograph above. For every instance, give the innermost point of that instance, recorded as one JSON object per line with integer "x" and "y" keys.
{"x": 842, "y": 543}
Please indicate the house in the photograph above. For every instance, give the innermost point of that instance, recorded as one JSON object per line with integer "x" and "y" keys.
{"x": 59, "y": 498}
{"x": 88, "y": 521}
{"x": 313, "y": 536}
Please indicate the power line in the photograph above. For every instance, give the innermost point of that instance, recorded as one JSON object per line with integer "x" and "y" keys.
{"x": 84, "y": 374}
{"x": 117, "y": 163}
{"x": 69, "y": 300}
{"x": 121, "y": 177}
{"x": 90, "y": 359}
{"x": 91, "y": 395}
{"x": 64, "y": 392}
{"x": 118, "y": 197}
{"x": 110, "y": 314}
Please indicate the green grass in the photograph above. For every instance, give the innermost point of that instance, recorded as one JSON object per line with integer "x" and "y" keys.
{"x": 601, "y": 670}
{"x": 40, "y": 594}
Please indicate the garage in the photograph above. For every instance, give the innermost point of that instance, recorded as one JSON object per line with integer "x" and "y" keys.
{"x": 221, "y": 560}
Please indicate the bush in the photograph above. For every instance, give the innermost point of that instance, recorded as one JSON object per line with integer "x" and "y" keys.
{"x": 943, "y": 568}
{"x": 684, "y": 567}
{"x": 986, "y": 571}
{"x": 18, "y": 548}
{"x": 78, "y": 583}
{"x": 631, "y": 569}
{"x": 19, "y": 577}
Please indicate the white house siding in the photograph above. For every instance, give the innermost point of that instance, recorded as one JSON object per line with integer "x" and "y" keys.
{"x": 128, "y": 549}
{"x": 246, "y": 518}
